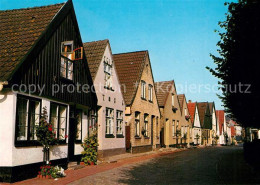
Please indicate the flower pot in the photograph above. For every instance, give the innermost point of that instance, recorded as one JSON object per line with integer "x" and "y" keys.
{"x": 92, "y": 163}
{"x": 47, "y": 176}
{"x": 82, "y": 163}
{"x": 40, "y": 176}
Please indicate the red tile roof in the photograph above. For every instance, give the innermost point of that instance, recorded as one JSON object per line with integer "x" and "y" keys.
{"x": 192, "y": 109}
{"x": 129, "y": 69}
{"x": 94, "y": 53}
{"x": 220, "y": 116}
{"x": 19, "y": 30}
{"x": 162, "y": 91}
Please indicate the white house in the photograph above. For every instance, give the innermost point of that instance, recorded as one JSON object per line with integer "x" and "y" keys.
{"x": 196, "y": 126}
{"x": 221, "y": 121}
{"x": 39, "y": 68}
{"x": 214, "y": 122}
{"x": 111, "y": 119}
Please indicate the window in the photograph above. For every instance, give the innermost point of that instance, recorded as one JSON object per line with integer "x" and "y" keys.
{"x": 108, "y": 73}
{"x": 79, "y": 125}
{"x": 119, "y": 122}
{"x": 173, "y": 100}
{"x": 143, "y": 90}
{"x": 150, "y": 89}
{"x": 137, "y": 124}
{"x": 177, "y": 125}
{"x": 66, "y": 67}
{"x": 92, "y": 121}
{"x": 157, "y": 127}
{"x": 78, "y": 53}
{"x": 173, "y": 127}
{"x": 67, "y": 47}
{"x": 146, "y": 125}
{"x": 58, "y": 118}
{"x": 182, "y": 131}
{"x": 185, "y": 111}
{"x": 109, "y": 121}
{"x": 27, "y": 118}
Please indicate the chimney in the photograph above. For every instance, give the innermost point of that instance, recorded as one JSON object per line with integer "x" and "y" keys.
{"x": 189, "y": 101}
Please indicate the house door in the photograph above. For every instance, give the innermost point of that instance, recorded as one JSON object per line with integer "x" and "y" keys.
{"x": 72, "y": 134}
{"x": 162, "y": 137}
{"x": 127, "y": 138}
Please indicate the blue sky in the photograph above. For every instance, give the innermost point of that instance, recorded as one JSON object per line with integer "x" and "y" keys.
{"x": 179, "y": 35}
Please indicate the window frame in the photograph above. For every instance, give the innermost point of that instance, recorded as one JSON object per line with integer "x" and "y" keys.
{"x": 82, "y": 112}
{"x": 137, "y": 125}
{"x": 150, "y": 91}
{"x": 146, "y": 125}
{"x": 121, "y": 120}
{"x": 143, "y": 90}
{"x": 63, "y": 141}
{"x": 173, "y": 100}
{"x": 67, "y": 70}
{"x": 111, "y": 127}
{"x": 27, "y": 142}
{"x": 173, "y": 128}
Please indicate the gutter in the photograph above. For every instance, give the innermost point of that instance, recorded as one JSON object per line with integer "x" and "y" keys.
{"x": 2, "y": 85}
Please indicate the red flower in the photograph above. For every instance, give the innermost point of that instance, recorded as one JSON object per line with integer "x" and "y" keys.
{"x": 50, "y": 128}
{"x": 41, "y": 167}
{"x": 39, "y": 173}
{"x": 49, "y": 162}
{"x": 66, "y": 136}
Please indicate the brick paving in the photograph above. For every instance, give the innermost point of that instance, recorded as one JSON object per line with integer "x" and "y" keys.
{"x": 73, "y": 175}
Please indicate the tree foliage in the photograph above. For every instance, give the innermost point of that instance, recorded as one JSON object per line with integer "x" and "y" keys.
{"x": 237, "y": 62}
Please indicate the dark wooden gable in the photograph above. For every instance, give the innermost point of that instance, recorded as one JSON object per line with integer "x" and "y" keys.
{"x": 42, "y": 64}
{"x": 208, "y": 118}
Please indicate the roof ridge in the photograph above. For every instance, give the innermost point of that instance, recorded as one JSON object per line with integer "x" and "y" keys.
{"x": 131, "y": 52}
{"x": 34, "y": 7}
{"x": 96, "y": 41}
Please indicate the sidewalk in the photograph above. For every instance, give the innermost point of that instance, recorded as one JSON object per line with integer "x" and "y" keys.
{"x": 107, "y": 164}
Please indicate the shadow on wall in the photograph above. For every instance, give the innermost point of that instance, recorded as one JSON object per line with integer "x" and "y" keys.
{"x": 57, "y": 152}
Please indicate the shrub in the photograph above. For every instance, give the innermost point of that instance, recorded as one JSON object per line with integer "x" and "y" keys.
{"x": 89, "y": 154}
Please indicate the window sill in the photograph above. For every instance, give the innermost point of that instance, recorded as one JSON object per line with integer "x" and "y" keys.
{"x": 109, "y": 136}
{"x": 146, "y": 137}
{"x": 120, "y": 136}
{"x": 150, "y": 101}
{"x": 137, "y": 137}
{"x": 143, "y": 99}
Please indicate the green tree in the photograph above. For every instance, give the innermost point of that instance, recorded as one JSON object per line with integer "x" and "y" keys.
{"x": 237, "y": 62}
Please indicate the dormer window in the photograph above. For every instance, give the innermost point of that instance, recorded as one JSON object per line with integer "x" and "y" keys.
{"x": 150, "y": 90}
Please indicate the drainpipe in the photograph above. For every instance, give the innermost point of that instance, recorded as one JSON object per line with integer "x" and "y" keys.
{"x": 2, "y": 85}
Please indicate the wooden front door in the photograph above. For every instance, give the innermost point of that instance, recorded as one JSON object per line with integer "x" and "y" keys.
{"x": 127, "y": 138}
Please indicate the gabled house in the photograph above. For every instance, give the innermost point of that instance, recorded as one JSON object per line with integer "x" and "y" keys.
{"x": 221, "y": 121}
{"x": 212, "y": 110}
{"x": 185, "y": 120}
{"x": 41, "y": 63}
{"x": 195, "y": 122}
{"x": 142, "y": 112}
{"x": 170, "y": 113}
{"x": 206, "y": 123}
{"x": 111, "y": 119}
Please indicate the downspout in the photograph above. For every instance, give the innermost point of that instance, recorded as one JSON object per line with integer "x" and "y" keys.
{"x": 2, "y": 85}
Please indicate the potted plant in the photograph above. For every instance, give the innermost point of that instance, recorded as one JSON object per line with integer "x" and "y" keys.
{"x": 187, "y": 117}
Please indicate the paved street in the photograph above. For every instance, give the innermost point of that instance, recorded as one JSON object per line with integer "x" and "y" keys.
{"x": 213, "y": 165}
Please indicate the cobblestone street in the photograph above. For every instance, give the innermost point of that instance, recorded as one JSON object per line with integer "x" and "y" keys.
{"x": 216, "y": 165}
